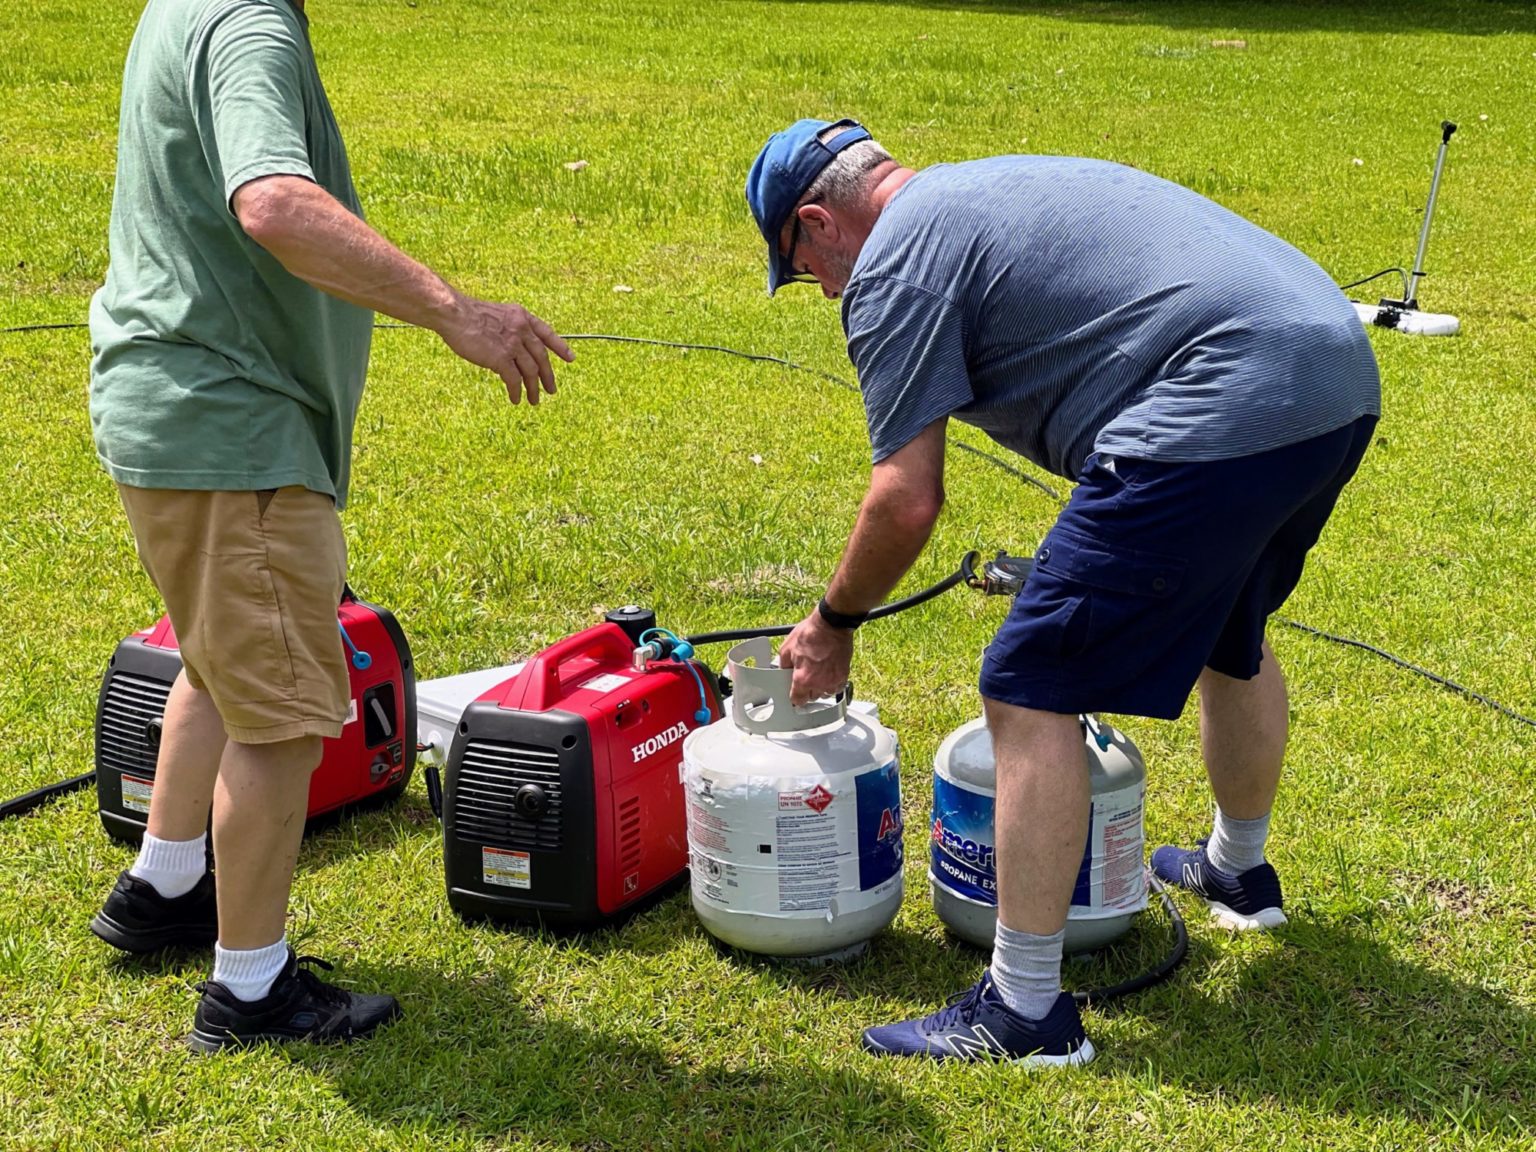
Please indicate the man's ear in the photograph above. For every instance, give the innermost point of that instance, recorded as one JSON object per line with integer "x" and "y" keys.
{"x": 815, "y": 218}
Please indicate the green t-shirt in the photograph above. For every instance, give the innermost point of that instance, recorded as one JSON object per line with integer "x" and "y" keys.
{"x": 214, "y": 367}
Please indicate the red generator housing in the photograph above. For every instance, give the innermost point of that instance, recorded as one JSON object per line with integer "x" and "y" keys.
{"x": 370, "y": 762}
{"x": 563, "y": 802}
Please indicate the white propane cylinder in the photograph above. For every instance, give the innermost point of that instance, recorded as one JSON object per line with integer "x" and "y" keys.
{"x": 1111, "y": 884}
{"x": 794, "y": 819}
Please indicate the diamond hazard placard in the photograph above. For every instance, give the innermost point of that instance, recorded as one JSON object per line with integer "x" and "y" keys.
{"x": 818, "y": 798}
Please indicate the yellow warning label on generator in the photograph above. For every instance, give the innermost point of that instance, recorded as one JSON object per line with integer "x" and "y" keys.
{"x": 507, "y": 868}
{"x": 137, "y": 793}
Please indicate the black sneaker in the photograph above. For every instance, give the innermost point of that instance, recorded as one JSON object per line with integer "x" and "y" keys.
{"x": 136, "y": 918}
{"x": 300, "y": 1006}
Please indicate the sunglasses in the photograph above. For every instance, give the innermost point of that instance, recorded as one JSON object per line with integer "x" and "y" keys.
{"x": 797, "y": 275}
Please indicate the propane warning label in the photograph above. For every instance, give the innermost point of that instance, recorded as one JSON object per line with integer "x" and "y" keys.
{"x": 807, "y": 852}
{"x": 1124, "y": 883}
{"x": 816, "y": 799}
{"x": 709, "y": 830}
{"x": 1112, "y": 880}
{"x": 136, "y": 793}
{"x": 794, "y": 847}
{"x": 506, "y": 868}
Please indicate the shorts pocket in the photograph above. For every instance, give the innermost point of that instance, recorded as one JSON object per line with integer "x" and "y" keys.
{"x": 1120, "y": 598}
{"x": 1136, "y": 472}
{"x": 1078, "y": 560}
{"x": 243, "y": 657}
{"x": 1048, "y": 623}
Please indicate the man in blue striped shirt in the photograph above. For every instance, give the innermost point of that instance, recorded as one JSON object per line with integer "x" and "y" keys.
{"x": 1210, "y": 389}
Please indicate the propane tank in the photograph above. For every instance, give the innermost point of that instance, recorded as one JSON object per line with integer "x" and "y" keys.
{"x": 1111, "y": 885}
{"x": 794, "y": 819}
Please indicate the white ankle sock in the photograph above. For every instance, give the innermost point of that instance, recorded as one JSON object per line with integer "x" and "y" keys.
{"x": 249, "y": 973}
{"x": 173, "y": 866}
{"x": 1237, "y": 845}
{"x": 1026, "y": 970}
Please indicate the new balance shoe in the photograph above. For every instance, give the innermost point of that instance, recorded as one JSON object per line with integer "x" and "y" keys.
{"x": 136, "y": 918}
{"x": 1242, "y": 902}
{"x": 300, "y": 1006}
{"x": 977, "y": 1025}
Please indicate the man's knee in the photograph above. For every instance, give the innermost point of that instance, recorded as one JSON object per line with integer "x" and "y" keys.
{"x": 299, "y": 754}
{"x": 1018, "y": 731}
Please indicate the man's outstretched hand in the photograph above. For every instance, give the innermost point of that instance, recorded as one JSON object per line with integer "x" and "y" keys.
{"x": 509, "y": 340}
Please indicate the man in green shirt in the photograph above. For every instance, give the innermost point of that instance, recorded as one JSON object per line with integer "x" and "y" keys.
{"x": 231, "y": 344}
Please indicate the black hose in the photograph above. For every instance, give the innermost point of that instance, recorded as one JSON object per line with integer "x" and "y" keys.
{"x": 21, "y": 805}
{"x": 1377, "y": 276}
{"x": 1409, "y": 666}
{"x": 966, "y": 573}
{"x": 1009, "y": 468}
{"x": 1088, "y": 997}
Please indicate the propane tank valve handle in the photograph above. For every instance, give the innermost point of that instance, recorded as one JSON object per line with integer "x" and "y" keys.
{"x": 1094, "y": 727}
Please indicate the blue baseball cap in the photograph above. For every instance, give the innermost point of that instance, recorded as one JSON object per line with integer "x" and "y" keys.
{"x": 789, "y": 164}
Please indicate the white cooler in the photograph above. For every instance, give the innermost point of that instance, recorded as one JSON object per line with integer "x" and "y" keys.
{"x": 440, "y": 706}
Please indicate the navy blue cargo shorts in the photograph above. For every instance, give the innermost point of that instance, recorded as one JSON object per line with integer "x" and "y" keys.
{"x": 1156, "y": 570}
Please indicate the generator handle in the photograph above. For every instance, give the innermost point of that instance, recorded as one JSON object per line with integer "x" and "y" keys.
{"x": 543, "y": 674}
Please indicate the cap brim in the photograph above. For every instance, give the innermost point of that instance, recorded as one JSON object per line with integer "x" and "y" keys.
{"x": 778, "y": 274}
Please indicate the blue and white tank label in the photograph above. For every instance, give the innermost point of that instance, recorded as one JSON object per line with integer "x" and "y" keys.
{"x": 879, "y": 799}
{"x": 1110, "y": 882}
{"x": 963, "y": 857}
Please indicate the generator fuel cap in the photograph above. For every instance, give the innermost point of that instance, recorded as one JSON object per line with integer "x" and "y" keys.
{"x": 635, "y": 620}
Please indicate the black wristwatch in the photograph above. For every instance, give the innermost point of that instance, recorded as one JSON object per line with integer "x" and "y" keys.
{"x": 847, "y": 621}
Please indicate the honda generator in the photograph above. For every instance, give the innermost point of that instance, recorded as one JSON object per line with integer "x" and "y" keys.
{"x": 563, "y": 803}
{"x": 370, "y": 762}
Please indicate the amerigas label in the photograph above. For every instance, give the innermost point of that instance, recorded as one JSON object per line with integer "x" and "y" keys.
{"x": 1110, "y": 880}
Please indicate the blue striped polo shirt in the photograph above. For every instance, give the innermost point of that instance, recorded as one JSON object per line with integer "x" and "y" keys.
{"x": 1066, "y": 306}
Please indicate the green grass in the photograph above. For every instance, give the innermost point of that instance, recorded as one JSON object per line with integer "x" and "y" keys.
{"x": 1397, "y": 1009}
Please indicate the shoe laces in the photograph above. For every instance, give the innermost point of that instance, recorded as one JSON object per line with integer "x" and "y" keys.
{"x": 327, "y": 994}
{"x": 961, "y": 1007}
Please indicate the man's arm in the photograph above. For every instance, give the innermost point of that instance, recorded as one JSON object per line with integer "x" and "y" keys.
{"x": 318, "y": 240}
{"x": 906, "y": 494}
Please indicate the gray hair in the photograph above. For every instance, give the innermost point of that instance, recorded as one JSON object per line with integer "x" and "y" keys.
{"x": 842, "y": 183}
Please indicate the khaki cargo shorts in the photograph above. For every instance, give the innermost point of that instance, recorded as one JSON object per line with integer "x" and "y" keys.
{"x": 252, "y": 581}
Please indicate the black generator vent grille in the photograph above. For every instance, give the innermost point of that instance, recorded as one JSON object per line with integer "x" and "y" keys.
{"x": 131, "y": 703}
{"x": 490, "y": 775}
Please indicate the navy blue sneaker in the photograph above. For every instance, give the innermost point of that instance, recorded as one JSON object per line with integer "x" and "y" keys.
{"x": 977, "y": 1025}
{"x": 1243, "y": 902}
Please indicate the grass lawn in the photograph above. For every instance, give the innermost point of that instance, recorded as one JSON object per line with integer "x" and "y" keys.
{"x": 1398, "y": 1010}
